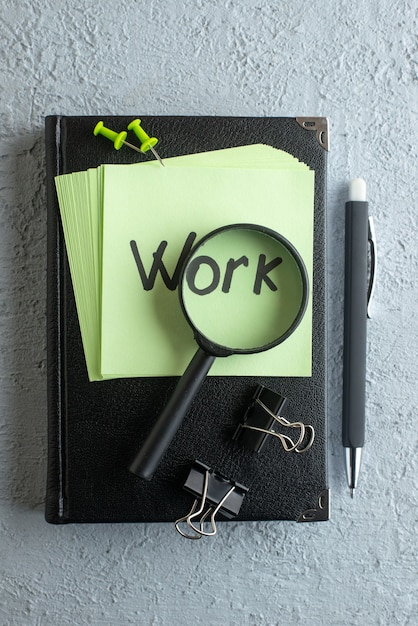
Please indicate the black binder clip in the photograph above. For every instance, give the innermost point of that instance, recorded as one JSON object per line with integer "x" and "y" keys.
{"x": 214, "y": 494}
{"x": 259, "y": 419}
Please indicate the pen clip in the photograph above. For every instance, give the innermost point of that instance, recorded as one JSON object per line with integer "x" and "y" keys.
{"x": 373, "y": 264}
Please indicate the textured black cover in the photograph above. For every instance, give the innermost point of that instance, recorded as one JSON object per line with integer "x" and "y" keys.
{"x": 94, "y": 429}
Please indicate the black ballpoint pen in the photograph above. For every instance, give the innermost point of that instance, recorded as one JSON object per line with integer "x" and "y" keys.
{"x": 359, "y": 231}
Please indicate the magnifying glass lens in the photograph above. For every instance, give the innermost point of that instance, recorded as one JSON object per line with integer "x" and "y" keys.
{"x": 242, "y": 289}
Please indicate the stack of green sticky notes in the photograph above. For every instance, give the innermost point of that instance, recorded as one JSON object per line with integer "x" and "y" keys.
{"x": 127, "y": 229}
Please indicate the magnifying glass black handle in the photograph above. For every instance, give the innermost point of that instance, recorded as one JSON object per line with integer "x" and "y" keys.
{"x": 169, "y": 421}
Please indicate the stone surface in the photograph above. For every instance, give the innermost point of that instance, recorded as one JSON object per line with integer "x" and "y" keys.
{"x": 352, "y": 62}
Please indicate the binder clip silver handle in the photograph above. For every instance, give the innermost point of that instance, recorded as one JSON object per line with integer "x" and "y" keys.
{"x": 264, "y": 412}
{"x": 287, "y": 442}
{"x": 215, "y": 494}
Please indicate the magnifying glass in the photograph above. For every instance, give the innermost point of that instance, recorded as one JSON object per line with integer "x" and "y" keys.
{"x": 243, "y": 289}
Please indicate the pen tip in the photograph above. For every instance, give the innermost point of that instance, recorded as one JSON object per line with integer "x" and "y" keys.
{"x": 352, "y": 492}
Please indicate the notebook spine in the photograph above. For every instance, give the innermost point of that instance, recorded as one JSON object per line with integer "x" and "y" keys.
{"x": 56, "y": 506}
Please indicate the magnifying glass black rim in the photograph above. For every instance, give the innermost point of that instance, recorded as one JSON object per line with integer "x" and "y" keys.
{"x": 216, "y": 349}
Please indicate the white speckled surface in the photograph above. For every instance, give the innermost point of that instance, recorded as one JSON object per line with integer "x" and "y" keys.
{"x": 352, "y": 62}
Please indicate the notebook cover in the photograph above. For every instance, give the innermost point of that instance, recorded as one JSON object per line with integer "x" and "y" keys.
{"x": 95, "y": 429}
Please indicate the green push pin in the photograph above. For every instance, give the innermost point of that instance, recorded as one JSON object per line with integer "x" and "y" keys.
{"x": 147, "y": 143}
{"x": 117, "y": 138}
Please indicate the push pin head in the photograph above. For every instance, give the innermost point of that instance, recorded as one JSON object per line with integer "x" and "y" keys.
{"x": 117, "y": 138}
{"x": 146, "y": 142}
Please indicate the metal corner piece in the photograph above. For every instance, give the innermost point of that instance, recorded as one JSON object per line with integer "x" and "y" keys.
{"x": 322, "y": 512}
{"x": 320, "y": 126}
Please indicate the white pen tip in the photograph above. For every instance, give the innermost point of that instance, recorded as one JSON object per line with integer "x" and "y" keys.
{"x": 357, "y": 190}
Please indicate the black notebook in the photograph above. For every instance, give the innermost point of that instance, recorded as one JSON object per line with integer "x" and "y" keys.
{"x": 96, "y": 428}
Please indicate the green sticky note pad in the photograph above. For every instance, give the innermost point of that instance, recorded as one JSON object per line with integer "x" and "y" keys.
{"x": 137, "y": 223}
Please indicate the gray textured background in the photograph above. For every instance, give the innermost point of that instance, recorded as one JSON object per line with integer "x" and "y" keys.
{"x": 352, "y": 62}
